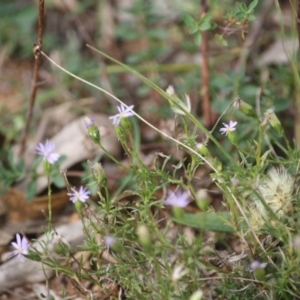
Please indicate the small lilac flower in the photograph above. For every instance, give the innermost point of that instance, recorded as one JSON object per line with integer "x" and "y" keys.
{"x": 123, "y": 113}
{"x": 228, "y": 128}
{"x": 255, "y": 265}
{"x": 21, "y": 246}
{"x": 109, "y": 241}
{"x": 49, "y": 296}
{"x": 88, "y": 122}
{"x": 177, "y": 199}
{"x": 81, "y": 195}
{"x": 46, "y": 150}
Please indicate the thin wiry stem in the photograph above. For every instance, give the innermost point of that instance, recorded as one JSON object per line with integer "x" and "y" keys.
{"x": 137, "y": 115}
{"x": 38, "y": 58}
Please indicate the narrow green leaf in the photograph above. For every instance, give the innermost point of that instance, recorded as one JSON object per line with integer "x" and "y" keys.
{"x": 209, "y": 221}
{"x": 58, "y": 181}
{"x": 190, "y": 22}
{"x": 10, "y": 160}
{"x": 193, "y": 31}
{"x": 252, "y": 5}
{"x": 31, "y": 190}
{"x": 206, "y": 19}
{"x": 4, "y": 186}
{"x": 242, "y": 7}
{"x": 204, "y": 26}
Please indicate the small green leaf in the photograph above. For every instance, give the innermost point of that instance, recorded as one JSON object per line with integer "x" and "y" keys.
{"x": 239, "y": 15}
{"x": 213, "y": 25}
{"x": 252, "y": 5}
{"x": 4, "y": 186}
{"x": 34, "y": 256}
{"x": 206, "y": 18}
{"x": 251, "y": 18}
{"x": 208, "y": 221}
{"x": 220, "y": 39}
{"x": 58, "y": 181}
{"x": 10, "y": 159}
{"x": 157, "y": 33}
{"x": 242, "y": 7}
{"x": 194, "y": 30}
{"x": 190, "y": 22}
{"x": 31, "y": 190}
{"x": 20, "y": 165}
{"x": 204, "y": 26}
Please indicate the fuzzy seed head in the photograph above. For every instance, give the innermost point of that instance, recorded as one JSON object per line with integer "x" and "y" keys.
{"x": 277, "y": 191}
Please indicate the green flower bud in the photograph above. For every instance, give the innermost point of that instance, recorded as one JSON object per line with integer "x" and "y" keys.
{"x": 79, "y": 206}
{"x": 178, "y": 212}
{"x": 245, "y": 108}
{"x": 274, "y": 121}
{"x": 92, "y": 130}
{"x": 202, "y": 149}
{"x": 232, "y": 137}
{"x": 197, "y": 295}
{"x": 217, "y": 164}
{"x": 99, "y": 173}
{"x": 258, "y": 269}
{"x": 144, "y": 236}
{"x": 125, "y": 122}
{"x": 202, "y": 199}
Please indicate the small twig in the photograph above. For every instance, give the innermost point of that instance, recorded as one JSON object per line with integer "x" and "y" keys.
{"x": 38, "y": 57}
{"x": 206, "y": 108}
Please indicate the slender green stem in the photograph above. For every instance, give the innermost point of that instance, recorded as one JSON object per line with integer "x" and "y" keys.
{"x": 165, "y": 95}
{"x": 49, "y": 203}
{"x": 259, "y": 144}
{"x": 143, "y": 120}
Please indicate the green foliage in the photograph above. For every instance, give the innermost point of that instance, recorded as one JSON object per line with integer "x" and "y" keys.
{"x": 154, "y": 255}
{"x": 241, "y": 12}
{"x": 196, "y": 28}
{"x": 140, "y": 27}
{"x": 11, "y": 173}
{"x": 208, "y": 221}
{"x": 16, "y": 25}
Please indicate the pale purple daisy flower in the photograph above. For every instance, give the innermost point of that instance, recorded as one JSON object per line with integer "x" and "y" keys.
{"x": 88, "y": 122}
{"x": 46, "y": 150}
{"x": 21, "y": 247}
{"x": 123, "y": 113}
{"x": 177, "y": 199}
{"x": 81, "y": 195}
{"x": 257, "y": 265}
{"x": 109, "y": 241}
{"x": 228, "y": 128}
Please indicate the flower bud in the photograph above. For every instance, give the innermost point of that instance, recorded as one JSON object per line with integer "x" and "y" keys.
{"x": 99, "y": 173}
{"x": 217, "y": 164}
{"x": 92, "y": 130}
{"x": 271, "y": 117}
{"x": 170, "y": 90}
{"x": 245, "y": 108}
{"x": 232, "y": 137}
{"x": 126, "y": 124}
{"x": 178, "y": 272}
{"x": 197, "y": 295}
{"x": 258, "y": 270}
{"x": 202, "y": 199}
{"x": 144, "y": 236}
{"x": 178, "y": 212}
{"x": 79, "y": 206}
{"x": 202, "y": 149}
